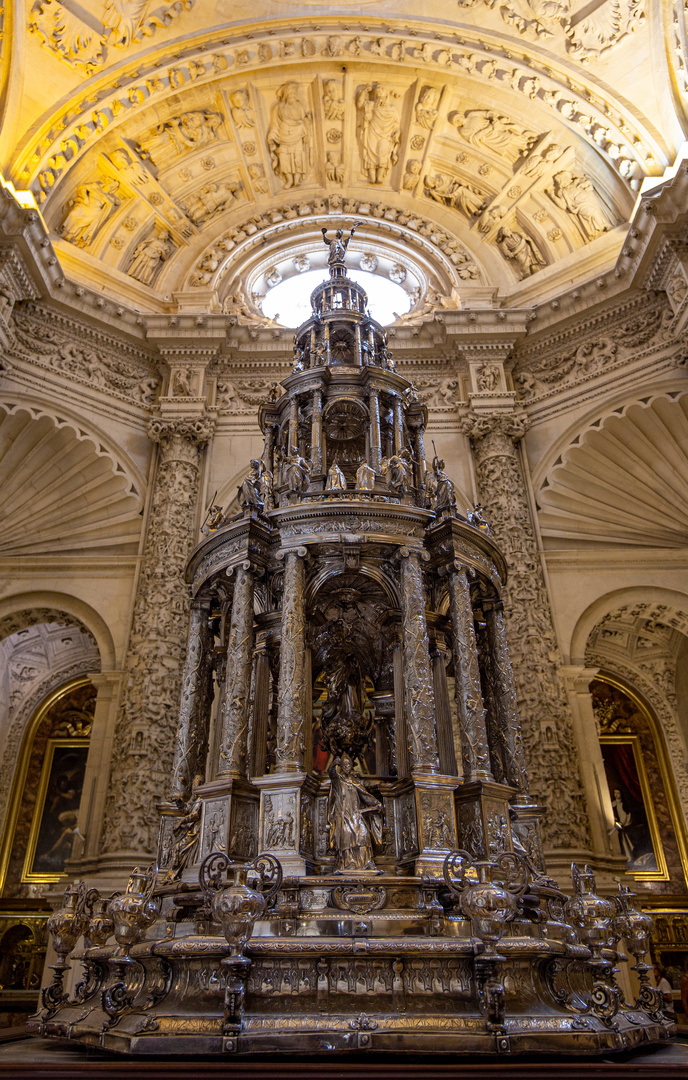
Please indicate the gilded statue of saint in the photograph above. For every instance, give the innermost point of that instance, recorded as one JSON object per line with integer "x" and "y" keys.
{"x": 350, "y": 834}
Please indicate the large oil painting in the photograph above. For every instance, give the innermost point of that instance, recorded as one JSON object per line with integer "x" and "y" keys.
{"x": 57, "y": 806}
{"x": 634, "y": 833}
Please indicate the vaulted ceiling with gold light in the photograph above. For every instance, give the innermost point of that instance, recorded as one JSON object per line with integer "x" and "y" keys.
{"x": 175, "y": 149}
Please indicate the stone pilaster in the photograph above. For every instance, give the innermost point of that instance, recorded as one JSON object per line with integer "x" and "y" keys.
{"x": 147, "y": 722}
{"x": 475, "y": 753}
{"x": 290, "y": 686}
{"x": 192, "y": 732}
{"x": 420, "y": 698}
{"x": 235, "y": 707}
{"x": 552, "y": 765}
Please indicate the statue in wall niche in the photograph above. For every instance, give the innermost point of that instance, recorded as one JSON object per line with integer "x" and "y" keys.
{"x": 365, "y": 477}
{"x": 88, "y": 210}
{"x": 517, "y": 248}
{"x": 289, "y": 136}
{"x": 349, "y": 833}
{"x": 242, "y": 113}
{"x": 336, "y": 481}
{"x": 149, "y": 256}
{"x": 575, "y": 194}
{"x": 450, "y": 192}
{"x": 426, "y": 107}
{"x": 379, "y": 131}
{"x": 490, "y": 130}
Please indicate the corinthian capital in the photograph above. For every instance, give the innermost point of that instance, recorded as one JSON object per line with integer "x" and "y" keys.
{"x": 478, "y": 425}
{"x": 197, "y": 431}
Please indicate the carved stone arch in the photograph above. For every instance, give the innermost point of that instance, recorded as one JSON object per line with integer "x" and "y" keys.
{"x": 639, "y": 594}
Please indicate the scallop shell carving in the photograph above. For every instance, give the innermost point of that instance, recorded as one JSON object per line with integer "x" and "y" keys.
{"x": 625, "y": 479}
{"x": 62, "y": 490}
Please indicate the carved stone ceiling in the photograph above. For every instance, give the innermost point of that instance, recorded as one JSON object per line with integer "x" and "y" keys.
{"x": 165, "y": 142}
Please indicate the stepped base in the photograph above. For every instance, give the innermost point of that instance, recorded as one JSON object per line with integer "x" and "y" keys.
{"x": 340, "y": 966}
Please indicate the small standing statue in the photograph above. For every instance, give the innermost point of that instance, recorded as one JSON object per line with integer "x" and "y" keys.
{"x": 299, "y": 361}
{"x": 213, "y": 517}
{"x": 338, "y": 245}
{"x": 185, "y": 832}
{"x": 445, "y": 494}
{"x": 249, "y": 492}
{"x": 296, "y": 473}
{"x": 336, "y": 481}
{"x": 350, "y": 836}
{"x": 275, "y": 392}
{"x": 399, "y": 472}
{"x": 365, "y": 477}
{"x": 475, "y": 517}
{"x": 266, "y": 487}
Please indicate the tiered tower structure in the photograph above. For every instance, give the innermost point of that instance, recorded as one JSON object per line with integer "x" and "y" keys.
{"x": 358, "y": 771}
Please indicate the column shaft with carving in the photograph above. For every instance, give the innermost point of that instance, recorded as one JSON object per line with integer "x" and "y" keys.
{"x": 375, "y": 446}
{"x": 235, "y": 707}
{"x": 147, "y": 723}
{"x": 398, "y": 425}
{"x": 290, "y": 686}
{"x": 316, "y": 432}
{"x": 475, "y": 753}
{"x": 420, "y": 698}
{"x": 554, "y": 775}
{"x": 192, "y": 733}
{"x": 505, "y": 698}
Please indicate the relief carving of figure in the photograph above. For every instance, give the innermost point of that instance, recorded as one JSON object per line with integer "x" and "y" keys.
{"x": 411, "y": 177}
{"x": 575, "y": 194}
{"x": 379, "y": 131}
{"x": 487, "y": 378}
{"x": 491, "y": 130}
{"x": 88, "y": 210}
{"x": 333, "y": 102}
{"x": 450, "y": 192}
{"x": 514, "y": 246}
{"x": 350, "y": 834}
{"x": 149, "y": 256}
{"x": 130, "y": 167}
{"x": 537, "y": 163}
{"x": 192, "y": 129}
{"x": 212, "y": 199}
{"x": 289, "y": 136}
{"x": 426, "y": 107}
{"x": 242, "y": 113}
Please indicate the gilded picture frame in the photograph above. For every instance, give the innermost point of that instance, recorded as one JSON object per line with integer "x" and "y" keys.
{"x": 55, "y": 814}
{"x": 635, "y": 819}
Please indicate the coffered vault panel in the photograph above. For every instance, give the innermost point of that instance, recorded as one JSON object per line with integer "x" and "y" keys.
{"x": 169, "y": 143}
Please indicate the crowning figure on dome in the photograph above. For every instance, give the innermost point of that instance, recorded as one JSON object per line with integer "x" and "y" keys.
{"x": 338, "y": 245}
